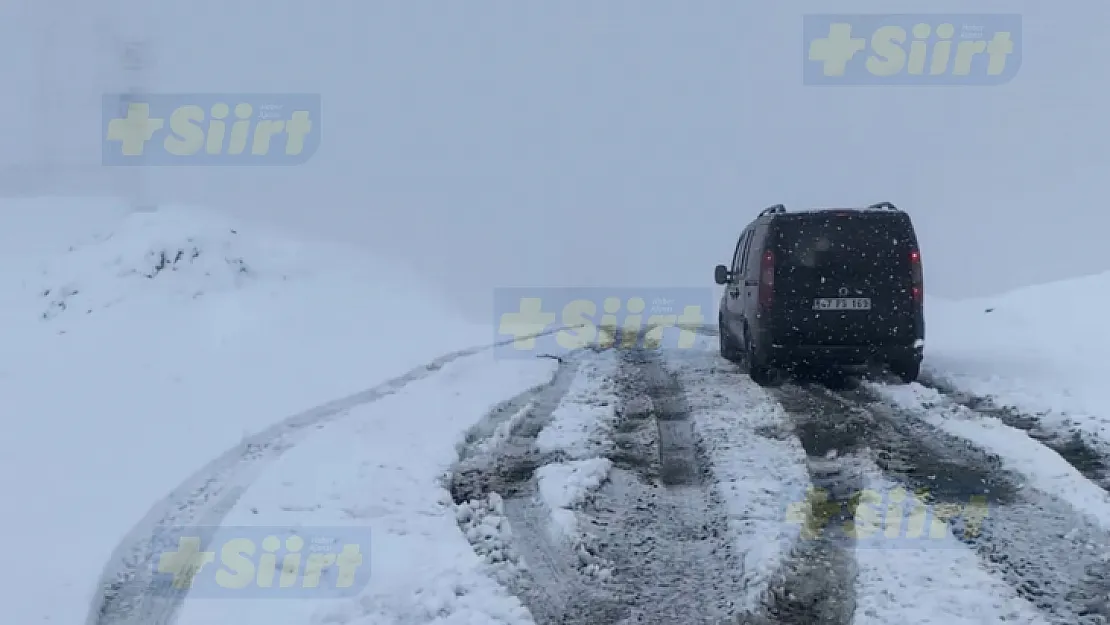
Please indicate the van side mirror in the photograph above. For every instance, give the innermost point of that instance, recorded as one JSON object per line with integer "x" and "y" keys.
{"x": 720, "y": 274}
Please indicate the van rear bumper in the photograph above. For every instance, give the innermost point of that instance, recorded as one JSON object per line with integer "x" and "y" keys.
{"x": 844, "y": 355}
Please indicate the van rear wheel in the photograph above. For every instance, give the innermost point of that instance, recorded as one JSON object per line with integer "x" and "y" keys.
{"x": 729, "y": 350}
{"x": 761, "y": 374}
{"x": 757, "y": 367}
{"x": 907, "y": 370}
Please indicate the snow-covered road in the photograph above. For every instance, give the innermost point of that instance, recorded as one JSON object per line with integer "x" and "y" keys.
{"x": 620, "y": 487}
{"x": 799, "y": 504}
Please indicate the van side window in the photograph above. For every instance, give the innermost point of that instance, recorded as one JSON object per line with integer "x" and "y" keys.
{"x": 738, "y": 255}
{"x": 755, "y": 251}
{"x": 744, "y": 254}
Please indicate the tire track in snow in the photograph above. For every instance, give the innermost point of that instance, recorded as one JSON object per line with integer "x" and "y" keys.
{"x": 678, "y": 563}
{"x": 911, "y": 569}
{"x": 644, "y": 379}
{"x": 1050, "y": 553}
{"x": 125, "y": 593}
{"x": 818, "y": 580}
{"x": 1072, "y": 446}
{"x": 759, "y": 470}
{"x": 656, "y": 529}
{"x": 496, "y": 477}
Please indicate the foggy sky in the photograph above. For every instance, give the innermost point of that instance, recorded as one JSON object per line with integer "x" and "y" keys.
{"x": 593, "y": 142}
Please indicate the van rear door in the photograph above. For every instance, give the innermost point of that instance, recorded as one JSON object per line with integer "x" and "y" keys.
{"x": 844, "y": 278}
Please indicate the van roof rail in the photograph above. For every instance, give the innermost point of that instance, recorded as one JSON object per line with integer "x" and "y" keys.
{"x": 773, "y": 210}
{"x": 884, "y": 205}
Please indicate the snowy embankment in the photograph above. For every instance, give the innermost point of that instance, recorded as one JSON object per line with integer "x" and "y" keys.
{"x": 149, "y": 344}
{"x": 1042, "y": 349}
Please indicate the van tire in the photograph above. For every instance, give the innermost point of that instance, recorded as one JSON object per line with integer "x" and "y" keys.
{"x": 756, "y": 366}
{"x": 761, "y": 374}
{"x": 907, "y": 370}
{"x": 729, "y": 350}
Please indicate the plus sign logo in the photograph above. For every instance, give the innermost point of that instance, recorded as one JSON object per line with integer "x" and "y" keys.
{"x": 184, "y": 564}
{"x": 553, "y": 321}
{"x": 953, "y": 49}
{"x": 526, "y": 324}
{"x": 133, "y": 130}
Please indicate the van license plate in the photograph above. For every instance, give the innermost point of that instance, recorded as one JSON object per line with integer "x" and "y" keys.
{"x": 842, "y": 303}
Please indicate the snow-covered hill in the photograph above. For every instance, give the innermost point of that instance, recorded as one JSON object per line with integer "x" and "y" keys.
{"x": 138, "y": 347}
{"x": 1041, "y": 348}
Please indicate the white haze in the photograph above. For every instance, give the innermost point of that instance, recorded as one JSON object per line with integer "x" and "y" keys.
{"x": 587, "y": 142}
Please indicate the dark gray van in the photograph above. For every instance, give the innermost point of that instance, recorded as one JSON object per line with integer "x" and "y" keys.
{"x": 828, "y": 288}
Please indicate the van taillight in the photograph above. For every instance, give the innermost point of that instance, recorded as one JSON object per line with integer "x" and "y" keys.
{"x": 766, "y": 280}
{"x": 918, "y": 278}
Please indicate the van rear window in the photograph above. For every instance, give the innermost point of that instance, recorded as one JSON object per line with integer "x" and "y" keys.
{"x": 852, "y": 240}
